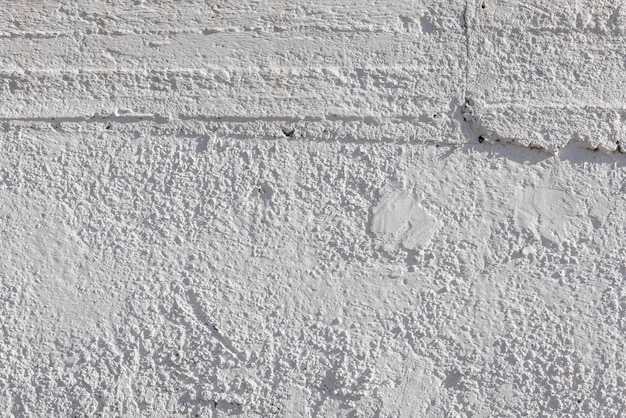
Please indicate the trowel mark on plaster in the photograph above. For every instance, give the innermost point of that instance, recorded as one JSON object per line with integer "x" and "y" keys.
{"x": 410, "y": 388}
{"x": 400, "y": 219}
{"x": 545, "y": 212}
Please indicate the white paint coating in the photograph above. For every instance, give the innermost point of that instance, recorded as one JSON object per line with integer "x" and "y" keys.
{"x": 312, "y": 209}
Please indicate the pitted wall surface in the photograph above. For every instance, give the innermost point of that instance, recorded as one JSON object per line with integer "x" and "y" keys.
{"x": 312, "y": 209}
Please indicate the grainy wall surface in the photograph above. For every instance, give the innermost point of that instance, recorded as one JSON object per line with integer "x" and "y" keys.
{"x": 312, "y": 208}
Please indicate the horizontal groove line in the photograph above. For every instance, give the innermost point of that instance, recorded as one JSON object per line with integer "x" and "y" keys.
{"x": 613, "y": 34}
{"x": 212, "y": 119}
{"x": 553, "y": 106}
{"x": 206, "y": 70}
{"x": 300, "y": 30}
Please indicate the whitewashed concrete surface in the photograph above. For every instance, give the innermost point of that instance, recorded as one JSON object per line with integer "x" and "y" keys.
{"x": 312, "y": 209}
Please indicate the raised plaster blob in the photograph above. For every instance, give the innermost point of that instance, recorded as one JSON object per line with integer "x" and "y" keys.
{"x": 399, "y": 219}
{"x": 545, "y": 212}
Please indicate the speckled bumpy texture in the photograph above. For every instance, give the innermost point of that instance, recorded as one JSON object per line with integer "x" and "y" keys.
{"x": 313, "y": 209}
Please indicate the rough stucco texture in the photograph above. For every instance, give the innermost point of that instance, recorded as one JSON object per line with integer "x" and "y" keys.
{"x": 312, "y": 209}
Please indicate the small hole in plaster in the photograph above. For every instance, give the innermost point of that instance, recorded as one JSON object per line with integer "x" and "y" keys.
{"x": 288, "y": 131}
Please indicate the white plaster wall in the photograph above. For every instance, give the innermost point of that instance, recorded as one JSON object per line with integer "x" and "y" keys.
{"x": 312, "y": 209}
